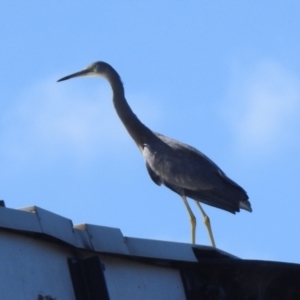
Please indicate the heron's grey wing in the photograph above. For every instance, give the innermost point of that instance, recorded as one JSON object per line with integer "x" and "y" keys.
{"x": 227, "y": 179}
{"x": 189, "y": 171}
{"x": 180, "y": 167}
{"x": 185, "y": 170}
{"x": 184, "y": 166}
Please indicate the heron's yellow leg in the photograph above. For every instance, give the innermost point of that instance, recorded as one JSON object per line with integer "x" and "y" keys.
{"x": 207, "y": 224}
{"x": 192, "y": 219}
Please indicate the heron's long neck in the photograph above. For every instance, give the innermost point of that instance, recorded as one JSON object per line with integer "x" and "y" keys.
{"x": 138, "y": 131}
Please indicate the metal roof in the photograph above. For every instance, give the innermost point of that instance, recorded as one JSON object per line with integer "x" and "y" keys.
{"x": 44, "y": 254}
{"x": 102, "y": 239}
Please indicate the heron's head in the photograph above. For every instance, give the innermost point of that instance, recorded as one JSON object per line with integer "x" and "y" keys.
{"x": 99, "y": 68}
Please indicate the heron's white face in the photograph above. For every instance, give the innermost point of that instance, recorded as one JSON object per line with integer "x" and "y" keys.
{"x": 88, "y": 74}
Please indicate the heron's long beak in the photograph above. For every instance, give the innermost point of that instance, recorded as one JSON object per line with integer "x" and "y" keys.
{"x": 84, "y": 72}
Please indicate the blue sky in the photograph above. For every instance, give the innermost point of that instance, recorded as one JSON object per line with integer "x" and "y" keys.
{"x": 223, "y": 77}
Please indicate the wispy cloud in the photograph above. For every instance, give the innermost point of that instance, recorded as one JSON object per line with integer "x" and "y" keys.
{"x": 53, "y": 120}
{"x": 263, "y": 105}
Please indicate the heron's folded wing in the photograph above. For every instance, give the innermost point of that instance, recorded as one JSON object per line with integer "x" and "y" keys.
{"x": 181, "y": 169}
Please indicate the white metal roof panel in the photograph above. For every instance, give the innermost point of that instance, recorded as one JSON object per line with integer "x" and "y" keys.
{"x": 82, "y": 237}
{"x": 134, "y": 280}
{"x": 33, "y": 266}
{"x": 100, "y": 239}
{"x": 19, "y": 220}
{"x": 54, "y": 225}
{"x": 106, "y": 239}
{"x": 160, "y": 249}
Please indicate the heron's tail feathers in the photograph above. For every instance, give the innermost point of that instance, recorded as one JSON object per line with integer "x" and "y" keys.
{"x": 245, "y": 204}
